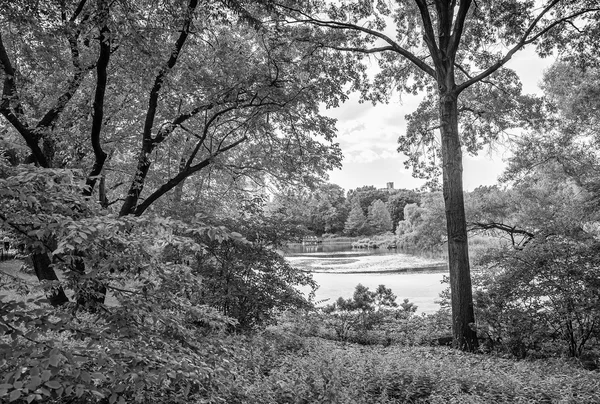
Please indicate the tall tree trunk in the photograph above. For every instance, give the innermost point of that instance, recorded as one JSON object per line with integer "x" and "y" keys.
{"x": 463, "y": 317}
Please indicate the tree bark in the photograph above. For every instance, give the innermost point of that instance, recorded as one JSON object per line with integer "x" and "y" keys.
{"x": 463, "y": 317}
{"x": 44, "y": 271}
{"x": 101, "y": 83}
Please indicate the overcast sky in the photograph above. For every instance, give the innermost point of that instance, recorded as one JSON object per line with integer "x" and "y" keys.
{"x": 368, "y": 137}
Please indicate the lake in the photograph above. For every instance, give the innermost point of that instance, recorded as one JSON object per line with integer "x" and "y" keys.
{"x": 338, "y": 268}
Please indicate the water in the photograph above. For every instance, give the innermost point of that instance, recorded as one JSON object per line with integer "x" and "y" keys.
{"x": 338, "y": 268}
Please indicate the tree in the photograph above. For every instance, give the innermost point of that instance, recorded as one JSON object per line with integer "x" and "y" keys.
{"x": 567, "y": 137}
{"x": 396, "y": 203}
{"x": 379, "y": 218}
{"x": 327, "y": 209}
{"x": 356, "y": 222}
{"x": 159, "y": 97}
{"x": 423, "y": 226}
{"x": 443, "y": 47}
{"x": 366, "y": 195}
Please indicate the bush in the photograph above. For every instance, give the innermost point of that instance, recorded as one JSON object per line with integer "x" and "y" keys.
{"x": 249, "y": 283}
{"x": 361, "y": 312}
{"x": 547, "y": 293}
{"x": 370, "y": 318}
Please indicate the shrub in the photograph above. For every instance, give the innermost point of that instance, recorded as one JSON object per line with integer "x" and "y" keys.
{"x": 548, "y": 291}
{"x": 361, "y": 312}
{"x": 249, "y": 282}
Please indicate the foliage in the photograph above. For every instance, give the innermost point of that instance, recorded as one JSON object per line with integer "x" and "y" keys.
{"x": 154, "y": 338}
{"x": 366, "y": 195}
{"x": 186, "y": 96}
{"x": 356, "y": 222}
{"x": 279, "y": 367}
{"x": 118, "y": 353}
{"x": 543, "y": 293}
{"x": 423, "y": 226}
{"x": 328, "y": 209}
{"x": 321, "y": 210}
{"x": 396, "y": 203}
{"x": 361, "y": 312}
{"x": 325, "y": 209}
{"x": 249, "y": 282}
{"x": 379, "y": 218}
{"x": 566, "y": 139}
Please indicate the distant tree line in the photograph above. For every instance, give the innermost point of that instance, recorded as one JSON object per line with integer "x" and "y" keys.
{"x": 327, "y": 209}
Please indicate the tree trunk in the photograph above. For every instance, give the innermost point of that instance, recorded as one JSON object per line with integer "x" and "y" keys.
{"x": 137, "y": 184}
{"x": 44, "y": 271}
{"x": 463, "y": 317}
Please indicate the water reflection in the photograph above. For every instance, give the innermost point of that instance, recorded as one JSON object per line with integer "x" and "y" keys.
{"x": 345, "y": 249}
{"x": 301, "y": 249}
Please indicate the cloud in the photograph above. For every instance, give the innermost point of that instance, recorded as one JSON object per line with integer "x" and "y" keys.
{"x": 347, "y": 131}
{"x": 368, "y": 155}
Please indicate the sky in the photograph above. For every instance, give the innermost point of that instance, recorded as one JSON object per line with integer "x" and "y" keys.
{"x": 368, "y": 137}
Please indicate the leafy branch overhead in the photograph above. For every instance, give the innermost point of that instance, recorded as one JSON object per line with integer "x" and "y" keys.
{"x": 201, "y": 88}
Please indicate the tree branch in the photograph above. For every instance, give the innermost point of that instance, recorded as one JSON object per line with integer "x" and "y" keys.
{"x": 160, "y": 77}
{"x": 16, "y": 117}
{"x": 101, "y": 81}
{"x": 459, "y": 25}
{"x": 429, "y": 36}
{"x": 143, "y": 164}
{"x": 524, "y": 41}
{"x": 511, "y": 230}
{"x": 342, "y": 25}
{"x": 182, "y": 175}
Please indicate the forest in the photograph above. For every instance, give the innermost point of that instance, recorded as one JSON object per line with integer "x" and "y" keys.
{"x": 156, "y": 156}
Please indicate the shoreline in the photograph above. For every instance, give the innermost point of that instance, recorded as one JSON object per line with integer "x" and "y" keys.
{"x": 442, "y": 268}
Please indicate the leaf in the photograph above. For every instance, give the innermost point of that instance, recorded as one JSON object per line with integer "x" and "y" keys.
{"x": 98, "y": 394}
{"x": 54, "y": 360}
{"x": 53, "y": 384}
{"x": 85, "y": 376}
{"x": 211, "y": 233}
{"x": 46, "y": 375}
{"x": 14, "y": 395}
